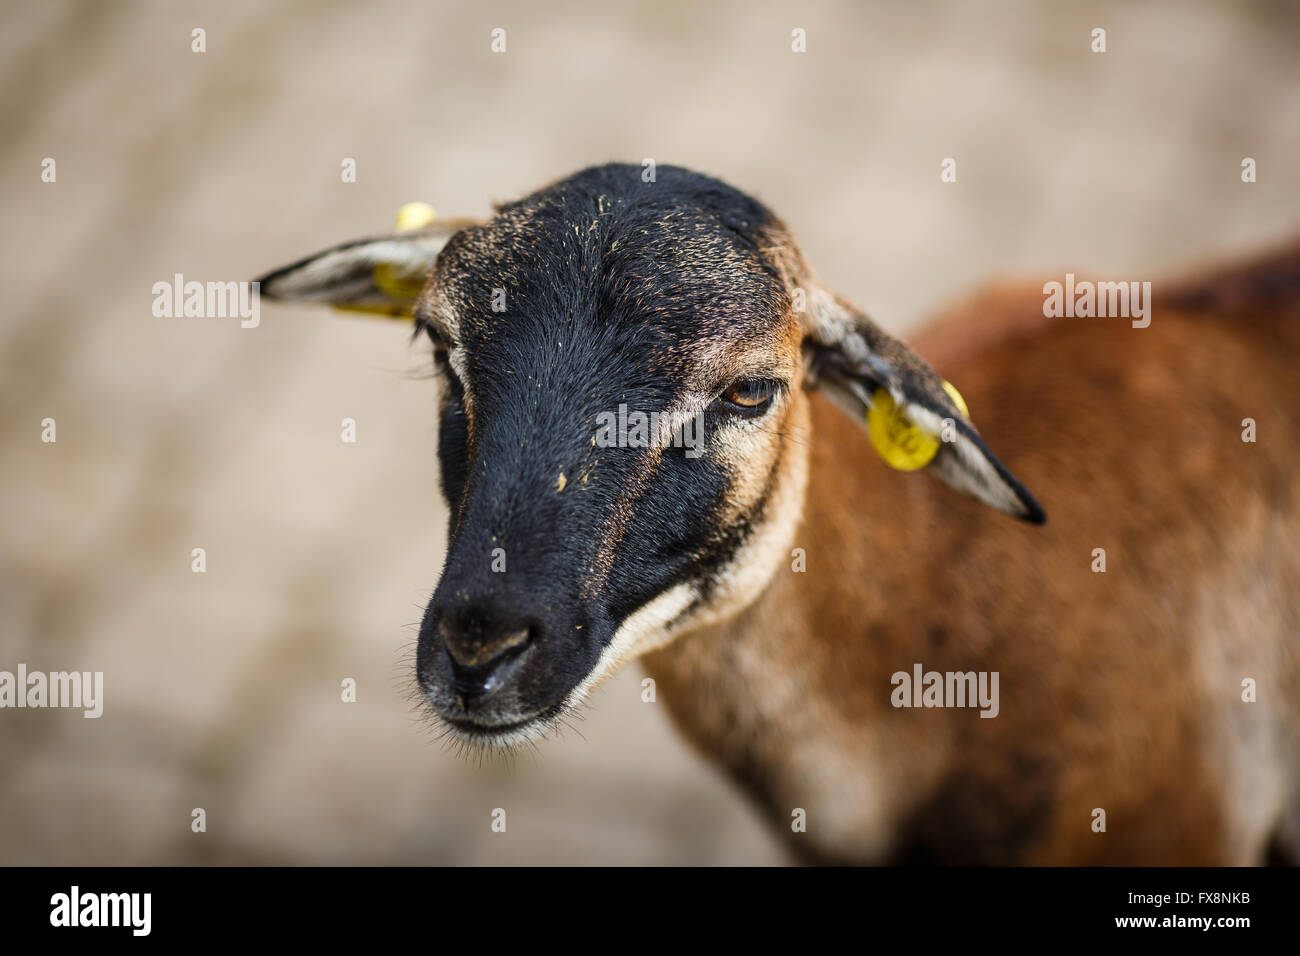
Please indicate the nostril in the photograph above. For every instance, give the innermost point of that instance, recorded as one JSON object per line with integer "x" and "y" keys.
{"x": 468, "y": 653}
{"x": 480, "y": 668}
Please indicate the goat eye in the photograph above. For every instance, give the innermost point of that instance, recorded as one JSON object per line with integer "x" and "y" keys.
{"x": 750, "y": 394}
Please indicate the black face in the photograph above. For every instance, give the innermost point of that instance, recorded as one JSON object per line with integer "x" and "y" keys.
{"x": 601, "y": 292}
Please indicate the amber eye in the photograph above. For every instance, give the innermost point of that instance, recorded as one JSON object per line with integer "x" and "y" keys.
{"x": 750, "y": 394}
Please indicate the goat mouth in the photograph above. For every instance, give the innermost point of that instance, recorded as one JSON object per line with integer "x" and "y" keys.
{"x": 505, "y": 734}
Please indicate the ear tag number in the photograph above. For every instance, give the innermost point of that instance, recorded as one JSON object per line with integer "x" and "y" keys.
{"x": 896, "y": 438}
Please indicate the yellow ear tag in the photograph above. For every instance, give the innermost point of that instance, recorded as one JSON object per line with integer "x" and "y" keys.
{"x": 413, "y": 215}
{"x": 898, "y": 441}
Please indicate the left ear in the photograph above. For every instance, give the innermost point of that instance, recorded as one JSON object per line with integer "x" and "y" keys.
{"x": 915, "y": 418}
{"x": 382, "y": 275}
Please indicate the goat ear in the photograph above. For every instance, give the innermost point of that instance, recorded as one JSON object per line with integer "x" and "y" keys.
{"x": 383, "y": 275}
{"x": 914, "y": 418}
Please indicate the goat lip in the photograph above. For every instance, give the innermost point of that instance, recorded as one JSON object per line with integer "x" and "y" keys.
{"x": 479, "y": 728}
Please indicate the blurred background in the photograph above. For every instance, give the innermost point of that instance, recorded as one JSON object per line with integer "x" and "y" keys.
{"x": 222, "y": 689}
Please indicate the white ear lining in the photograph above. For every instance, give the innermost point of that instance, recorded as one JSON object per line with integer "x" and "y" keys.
{"x": 344, "y": 273}
{"x": 967, "y": 471}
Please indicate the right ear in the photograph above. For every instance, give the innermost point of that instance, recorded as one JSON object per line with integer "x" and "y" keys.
{"x": 383, "y": 275}
{"x": 914, "y": 418}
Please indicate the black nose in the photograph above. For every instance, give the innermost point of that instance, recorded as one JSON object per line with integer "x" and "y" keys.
{"x": 483, "y": 657}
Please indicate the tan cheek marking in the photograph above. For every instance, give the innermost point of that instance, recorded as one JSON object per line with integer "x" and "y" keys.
{"x": 738, "y": 583}
{"x": 750, "y": 454}
{"x": 749, "y": 451}
{"x": 767, "y": 548}
{"x": 643, "y": 631}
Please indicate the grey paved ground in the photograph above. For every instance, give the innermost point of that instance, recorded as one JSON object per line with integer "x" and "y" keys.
{"x": 223, "y": 688}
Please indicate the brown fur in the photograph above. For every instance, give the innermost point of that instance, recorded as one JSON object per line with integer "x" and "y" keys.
{"x": 1119, "y": 691}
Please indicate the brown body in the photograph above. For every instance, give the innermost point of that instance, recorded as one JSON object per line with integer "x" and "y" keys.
{"x": 1120, "y": 691}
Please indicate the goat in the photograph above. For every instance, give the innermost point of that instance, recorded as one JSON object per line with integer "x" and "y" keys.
{"x": 786, "y": 590}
